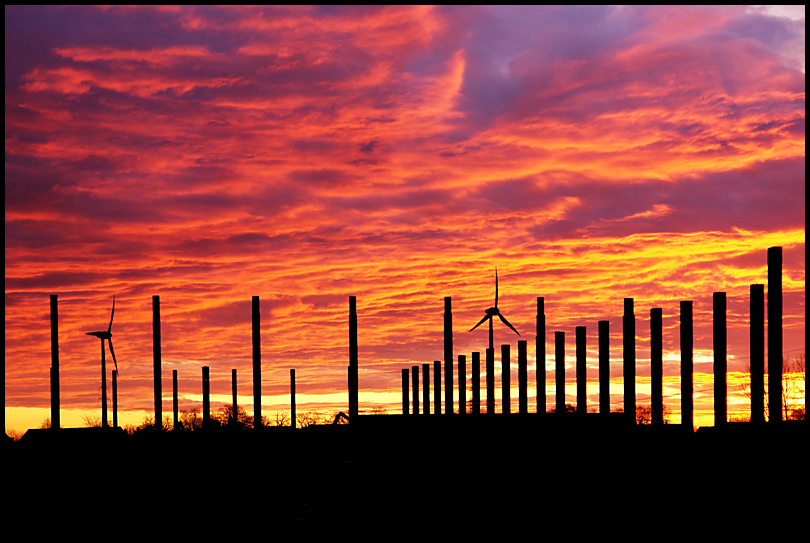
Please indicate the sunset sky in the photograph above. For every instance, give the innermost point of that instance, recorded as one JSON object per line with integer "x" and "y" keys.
{"x": 397, "y": 154}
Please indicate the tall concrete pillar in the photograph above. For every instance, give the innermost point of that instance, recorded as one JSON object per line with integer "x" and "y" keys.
{"x": 720, "y": 357}
{"x": 523, "y": 378}
{"x": 462, "y": 384}
{"x": 506, "y": 384}
{"x": 490, "y": 354}
{"x": 257, "y": 363}
{"x": 757, "y": 352}
{"x": 629, "y": 350}
{"x": 415, "y": 383}
{"x": 426, "y": 389}
{"x": 559, "y": 371}
{"x": 156, "y": 360}
{"x": 656, "y": 366}
{"x": 405, "y": 407}
{"x": 175, "y": 402}
{"x": 775, "y": 335}
{"x": 437, "y": 387}
{"x": 234, "y": 405}
{"x": 476, "y": 383}
{"x": 540, "y": 355}
{"x": 206, "y": 394}
{"x": 293, "y": 413}
{"x": 115, "y": 397}
{"x": 582, "y": 371}
{"x": 448, "y": 357}
{"x": 604, "y": 367}
{"x": 56, "y": 421}
{"x": 353, "y": 359}
{"x": 687, "y": 387}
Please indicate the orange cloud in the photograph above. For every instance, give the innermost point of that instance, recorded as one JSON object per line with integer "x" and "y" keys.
{"x": 398, "y": 154}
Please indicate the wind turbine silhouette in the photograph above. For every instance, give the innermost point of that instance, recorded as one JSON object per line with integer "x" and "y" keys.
{"x": 492, "y": 312}
{"x": 108, "y": 336}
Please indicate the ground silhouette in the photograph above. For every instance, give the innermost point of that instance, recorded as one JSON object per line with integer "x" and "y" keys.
{"x": 396, "y": 470}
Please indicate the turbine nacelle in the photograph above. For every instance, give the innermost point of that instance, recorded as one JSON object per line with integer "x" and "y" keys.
{"x": 494, "y": 312}
{"x": 102, "y": 335}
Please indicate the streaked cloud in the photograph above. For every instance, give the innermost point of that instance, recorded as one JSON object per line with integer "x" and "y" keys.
{"x": 305, "y": 154}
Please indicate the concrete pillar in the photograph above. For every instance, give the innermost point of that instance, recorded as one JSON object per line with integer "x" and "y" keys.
{"x": 775, "y": 335}
{"x": 353, "y": 359}
{"x": 405, "y": 385}
{"x": 559, "y": 371}
{"x": 415, "y": 381}
{"x": 293, "y": 414}
{"x": 234, "y": 405}
{"x": 604, "y": 367}
{"x": 56, "y": 421}
{"x": 462, "y": 384}
{"x": 426, "y": 389}
{"x": 490, "y": 354}
{"x": 656, "y": 366}
{"x": 156, "y": 360}
{"x": 257, "y": 362}
{"x": 540, "y": 355}
{"x": 687, "y": 387}
{"x": 437, "y": 387}
{"x": 115, "y": 397}
{"x": 629, "y": 350}
{"x": 448, "y": 357}
{"x": 206, "y": 394}
{"x": 175, "y": 402}
{"x": 582, "y": 371}
{"x": 506, "y": 378}
{"x": 720, "y": 357}
{"x": 757, "y": 352}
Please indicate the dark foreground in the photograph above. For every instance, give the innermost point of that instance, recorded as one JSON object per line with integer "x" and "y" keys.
{"x": 394, "y": 477}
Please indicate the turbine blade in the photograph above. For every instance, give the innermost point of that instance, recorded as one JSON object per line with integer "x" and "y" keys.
{"x": 479, "y": 323}
{"x": 496, "y": 287}
{"x": 113, "y": 355}
{"x": 111, "y": 315}
{"x": 506, "y": 322}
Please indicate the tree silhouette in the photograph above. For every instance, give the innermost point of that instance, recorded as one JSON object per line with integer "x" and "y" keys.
{"x": 644, "y": 414}
{"x": 91, "y": 421}
{"x": 190, "y": 420}
{"x": 569, "y": 408}
{"x": 224, "y": 417}
{"x": 148, "y": 425}
{"x": 793, "y": 388}
{"x": 281, "y": 418}
{"x": 311, "y": 418}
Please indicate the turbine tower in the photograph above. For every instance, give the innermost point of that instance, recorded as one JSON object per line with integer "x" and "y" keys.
{"x": 102, "y": 335}
{"x": 492, "y": 312}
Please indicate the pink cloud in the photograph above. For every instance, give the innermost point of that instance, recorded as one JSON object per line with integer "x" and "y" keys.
{"x": 306, "y": 154}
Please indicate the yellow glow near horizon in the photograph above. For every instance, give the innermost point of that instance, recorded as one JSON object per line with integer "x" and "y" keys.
{"x": 398, "y": 154}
